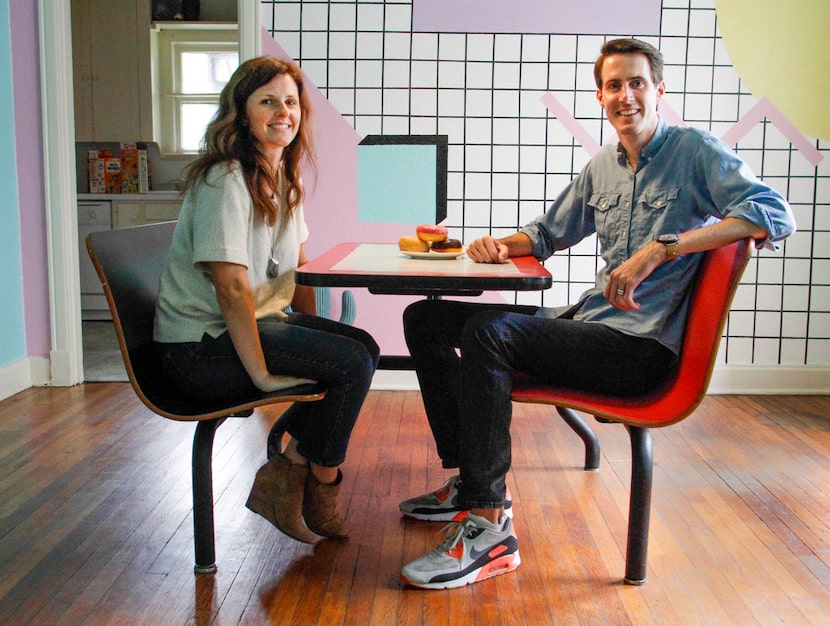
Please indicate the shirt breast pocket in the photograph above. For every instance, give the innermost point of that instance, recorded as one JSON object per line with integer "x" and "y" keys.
{"x": 605, "y": 205}
{"x": 659, "y": 199}
{"x": 604, "y": 200}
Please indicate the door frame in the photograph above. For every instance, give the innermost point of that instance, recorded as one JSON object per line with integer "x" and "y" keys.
{"x": 60, "y": 192}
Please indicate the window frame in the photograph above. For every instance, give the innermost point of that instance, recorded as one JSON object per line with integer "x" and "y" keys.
{"x": 168, "y": 41}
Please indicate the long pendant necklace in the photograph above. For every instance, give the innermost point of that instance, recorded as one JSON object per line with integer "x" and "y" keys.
{"x": 273, "y": 269}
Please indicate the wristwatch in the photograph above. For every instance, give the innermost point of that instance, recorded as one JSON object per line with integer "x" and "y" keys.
{"x": 671, "y": 243}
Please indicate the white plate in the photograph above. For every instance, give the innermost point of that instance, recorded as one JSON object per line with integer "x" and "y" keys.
{"x": 435, "y": 256}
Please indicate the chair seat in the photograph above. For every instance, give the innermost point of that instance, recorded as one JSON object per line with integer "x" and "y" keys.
{"x": 167, "y": 400}
{"x": 662, "y": 406}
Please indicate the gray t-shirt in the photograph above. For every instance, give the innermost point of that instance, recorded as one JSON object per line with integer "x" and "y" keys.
{"x": 217, "y": 223}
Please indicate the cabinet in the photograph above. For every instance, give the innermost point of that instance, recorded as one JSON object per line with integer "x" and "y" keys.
{"x": 96, "y": 215}
{"x": 134, "y": 213}
{"x": 111, "y": 70}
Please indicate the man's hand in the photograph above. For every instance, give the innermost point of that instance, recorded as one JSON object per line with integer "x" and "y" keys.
{"x": 490, "y": 250}
{"x": 623, "y": 280}
{"x": 487, "y": 250}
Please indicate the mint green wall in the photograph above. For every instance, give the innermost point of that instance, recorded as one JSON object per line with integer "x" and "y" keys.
{"x": 12, "y": 326}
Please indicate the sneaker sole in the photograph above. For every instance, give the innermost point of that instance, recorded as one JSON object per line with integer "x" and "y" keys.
{"x": 496, "y": 567}
{"x": 446, "y": 515}
{"x": 443, "y": 516}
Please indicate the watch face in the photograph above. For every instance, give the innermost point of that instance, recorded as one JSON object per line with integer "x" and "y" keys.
{"x": 668, "y": 239}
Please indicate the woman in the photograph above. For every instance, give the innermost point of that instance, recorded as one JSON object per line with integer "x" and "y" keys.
{"x": 221, "y": 322}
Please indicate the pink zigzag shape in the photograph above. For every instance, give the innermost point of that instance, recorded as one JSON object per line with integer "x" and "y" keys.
{"x": 571, "y": 124}
{"x": 763, "y": 109}
{"x": 766, "y": 109}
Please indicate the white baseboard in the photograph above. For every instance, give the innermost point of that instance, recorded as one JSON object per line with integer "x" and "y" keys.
{"x": 770, "y": 380}
{"x": 41, "y": 370}
{"x": 14, "y": 377}
{"x": 396, "y": 380}
{"x": 22, "y": 374}
{"x": 726, "y": 379}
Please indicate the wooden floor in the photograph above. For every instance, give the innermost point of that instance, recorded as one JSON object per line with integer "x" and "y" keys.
{"x": 95, "y": 520}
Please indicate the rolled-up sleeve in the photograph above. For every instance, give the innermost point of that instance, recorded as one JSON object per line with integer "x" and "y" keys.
{"x": 737, "y": 192}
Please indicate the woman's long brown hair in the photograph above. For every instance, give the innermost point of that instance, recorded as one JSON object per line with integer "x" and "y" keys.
{"x": 228, "y": 137}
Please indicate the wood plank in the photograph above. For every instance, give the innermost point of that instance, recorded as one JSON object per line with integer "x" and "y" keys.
{"x": 96, "y": 521}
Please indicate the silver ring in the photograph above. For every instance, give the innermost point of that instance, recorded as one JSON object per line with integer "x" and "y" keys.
{"x": 620, "y": 292}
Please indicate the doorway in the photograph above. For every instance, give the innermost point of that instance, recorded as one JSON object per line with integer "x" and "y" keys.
{"x": 66, "y": 355}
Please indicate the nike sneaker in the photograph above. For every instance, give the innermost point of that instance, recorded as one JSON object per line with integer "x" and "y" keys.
{"x": 473, "y": 550}
{"x": 441, "y": 505}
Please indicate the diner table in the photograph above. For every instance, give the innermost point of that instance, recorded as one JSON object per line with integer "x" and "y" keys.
{"x": 384, "y": 269}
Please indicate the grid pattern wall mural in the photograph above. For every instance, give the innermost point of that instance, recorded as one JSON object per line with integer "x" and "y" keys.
{"x": 521, "y": 117}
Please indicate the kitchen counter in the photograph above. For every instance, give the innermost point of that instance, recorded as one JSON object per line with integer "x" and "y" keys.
{"x": 104, "y": 211}
{"x": 168, "y": 196}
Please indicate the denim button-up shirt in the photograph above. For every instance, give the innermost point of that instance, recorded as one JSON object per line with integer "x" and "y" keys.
{"x": 685, "y": 178}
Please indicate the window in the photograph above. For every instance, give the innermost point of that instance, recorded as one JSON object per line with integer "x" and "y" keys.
{"x": 190, "y": 67}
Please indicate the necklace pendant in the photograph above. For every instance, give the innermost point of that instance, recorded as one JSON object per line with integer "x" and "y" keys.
{"x": 273, "y": 268}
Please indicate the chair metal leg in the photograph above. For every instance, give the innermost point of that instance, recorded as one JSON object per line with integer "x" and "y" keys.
{"x": 275, "y": 435}
{"x": 639, "y": 509}
{"x": 585, "y": 433}
{"x": 203, "y": 536}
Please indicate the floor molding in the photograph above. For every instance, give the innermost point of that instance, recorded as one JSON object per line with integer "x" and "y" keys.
{"x": 726, "y": 379}
{"x": 770, "y": 379}
{"x": 14, "y": 377}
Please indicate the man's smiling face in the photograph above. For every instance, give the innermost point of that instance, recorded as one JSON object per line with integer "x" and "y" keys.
{"x": 630, "y": 97}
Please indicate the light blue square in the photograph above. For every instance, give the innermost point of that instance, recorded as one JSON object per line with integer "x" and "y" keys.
{"x": 396, "y": 183}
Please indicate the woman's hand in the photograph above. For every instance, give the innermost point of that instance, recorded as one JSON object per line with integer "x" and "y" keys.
{"x": 233, "y": 291}
{"x": 275, "y": 382}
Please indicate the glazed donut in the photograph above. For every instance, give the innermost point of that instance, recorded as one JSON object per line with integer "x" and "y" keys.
{"x": 448, "y": 245}
{"x": 413, "y": 244}
{"x": 431, "y": 232}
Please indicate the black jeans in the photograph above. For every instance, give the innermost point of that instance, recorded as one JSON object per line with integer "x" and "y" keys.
{"x": 306, "y": 346}
{"x": 465, "y": 355}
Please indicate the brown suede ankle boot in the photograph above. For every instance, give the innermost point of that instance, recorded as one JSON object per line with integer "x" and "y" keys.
{"x": 277, "y": 495}
{"x": 320, "y": 508}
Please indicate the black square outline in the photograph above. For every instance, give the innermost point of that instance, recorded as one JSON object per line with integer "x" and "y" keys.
{"x": 440, "y": 142}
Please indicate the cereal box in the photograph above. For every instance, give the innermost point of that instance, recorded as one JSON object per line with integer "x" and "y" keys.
{"x": 134, "y": 177}
{"x": 95, "y": 170}
{"x": 112, "y": 174}
{"x": 103, "y": 171}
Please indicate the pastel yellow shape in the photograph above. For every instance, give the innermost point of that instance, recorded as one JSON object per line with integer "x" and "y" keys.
{"x": 781, "y": 51}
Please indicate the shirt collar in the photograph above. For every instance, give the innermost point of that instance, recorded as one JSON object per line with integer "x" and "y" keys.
{"x": 660, "y": 136}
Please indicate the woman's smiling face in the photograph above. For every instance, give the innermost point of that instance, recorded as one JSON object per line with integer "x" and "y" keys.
{"x": 274, "y": 115}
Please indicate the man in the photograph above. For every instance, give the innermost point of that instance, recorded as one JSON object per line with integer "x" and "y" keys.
{"x": 657, "y": 200}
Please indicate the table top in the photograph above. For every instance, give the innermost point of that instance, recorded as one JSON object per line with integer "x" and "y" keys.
{"x": 383, "y": 268}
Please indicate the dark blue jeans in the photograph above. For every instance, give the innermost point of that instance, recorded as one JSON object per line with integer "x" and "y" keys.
{"x": 342, "y": 357}
{"x": 465, "y": 355}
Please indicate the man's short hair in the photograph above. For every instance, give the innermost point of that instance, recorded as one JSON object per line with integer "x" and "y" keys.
{"x": 630, "y": 46}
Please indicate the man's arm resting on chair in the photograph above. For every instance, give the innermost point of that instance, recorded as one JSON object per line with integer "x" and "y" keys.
{"x": 624, "y": 279}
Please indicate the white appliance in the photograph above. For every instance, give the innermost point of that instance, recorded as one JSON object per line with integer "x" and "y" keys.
{"x": 93, "y": 216}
